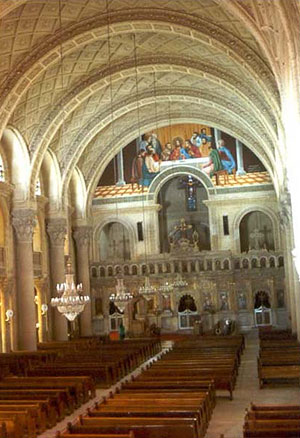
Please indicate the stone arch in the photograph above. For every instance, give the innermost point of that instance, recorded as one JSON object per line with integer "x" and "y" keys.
{"x": 78, "y": 193}
{"x": 51, "y": 178}
{"x": 180, "y": 169}
{"x": 115, "y": 219}
{"x": 268, "y": 212}
{"x": 18, "y": 161}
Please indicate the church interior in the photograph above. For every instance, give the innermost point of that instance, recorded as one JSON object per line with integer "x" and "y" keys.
{"x": 149, "y": 247}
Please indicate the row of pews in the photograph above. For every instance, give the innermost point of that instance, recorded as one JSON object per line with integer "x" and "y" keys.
{"x": 37, "y": 391}
{"x": 194, "y": 360}
{"x": 272, "y": 421}
{"x": 279, "y": 357}
{"x": 174, "y": 397}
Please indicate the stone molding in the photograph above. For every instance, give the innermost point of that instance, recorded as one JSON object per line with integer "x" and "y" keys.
{"x": 24, "y": 221}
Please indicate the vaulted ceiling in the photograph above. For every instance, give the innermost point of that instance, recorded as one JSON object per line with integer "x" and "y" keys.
{"x": 70, "y": 83}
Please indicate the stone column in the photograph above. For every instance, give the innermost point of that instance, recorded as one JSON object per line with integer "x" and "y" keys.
{"x": 239, "y": 158}
{"x": 82, "y": 238}
{"x": 218, "y": 136}
{"x": 121, "y": 181}
{"x": 23, "y": 221}
{"x": 57, "y": 230}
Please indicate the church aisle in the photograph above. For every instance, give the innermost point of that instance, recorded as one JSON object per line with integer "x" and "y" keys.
{"x": 228, "y": 416}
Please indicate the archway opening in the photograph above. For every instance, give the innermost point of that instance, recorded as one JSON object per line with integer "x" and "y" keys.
{"x": 256, "y": 232}
{"x": 183, "y": 215}
{"x": 114, "y": 242}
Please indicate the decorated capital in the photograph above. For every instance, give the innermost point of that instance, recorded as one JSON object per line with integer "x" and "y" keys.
{"x": 82, "y": 235}
{"x": 57, "y": 230}
{"x": 24, "y": 222}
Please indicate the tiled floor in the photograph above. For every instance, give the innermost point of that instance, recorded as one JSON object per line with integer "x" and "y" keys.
{"x": 228, "y": 416}
{"x": 128, "y": 190}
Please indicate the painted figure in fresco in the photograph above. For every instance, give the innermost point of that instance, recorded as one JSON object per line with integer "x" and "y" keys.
{"x": 203, "y": 135}
{"x": 193, "y": 150}
{"x": 204, "y": 148}
{"x": 176, "y": 152}
{"x": 150, "y": 168}
{"x": 214, "y": 164}
{"x": 226, "y": 157}
{"x": 196, "y": 139}
{"x": 166, "y": 153}
{"x": 146, "y": 142}
{"x": 137, "y": 168}
{"x": 186, "y": 151}
{"x": 156, "y": 145}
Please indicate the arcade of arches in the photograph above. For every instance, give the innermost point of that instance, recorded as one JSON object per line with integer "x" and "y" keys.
{"x": 84, "y": 84}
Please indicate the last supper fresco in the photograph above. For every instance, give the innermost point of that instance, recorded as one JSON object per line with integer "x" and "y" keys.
{"x": 224, "y": 159}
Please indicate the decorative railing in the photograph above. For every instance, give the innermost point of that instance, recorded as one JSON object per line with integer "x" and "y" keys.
{"x": 163, "y": 264}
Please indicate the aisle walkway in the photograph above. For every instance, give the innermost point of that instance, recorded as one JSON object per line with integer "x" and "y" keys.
{"x": 228, "y": 416}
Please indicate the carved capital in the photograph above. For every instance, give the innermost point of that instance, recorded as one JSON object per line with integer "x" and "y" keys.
{"x": 57, "y": 230}
{"x": 24, "y": 222}
{"x": 82, "y": 235}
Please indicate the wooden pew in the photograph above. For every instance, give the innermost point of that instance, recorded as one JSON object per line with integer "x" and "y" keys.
{"x": 142, "y": 427}
{"x": 11, "y": 428}
{"x": 272, "y": 421}
{"x": 23, "y": 419}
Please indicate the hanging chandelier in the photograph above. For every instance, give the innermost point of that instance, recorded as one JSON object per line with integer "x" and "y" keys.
{"x": 71, "y": 302}
{"x": 148, "y": 291}
{"x": 166, "y": 288}
{"x": 179, "y": 282}
{"x": 121, "y": 297}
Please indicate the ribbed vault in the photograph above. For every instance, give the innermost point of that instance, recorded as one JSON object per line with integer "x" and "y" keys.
{"x": 212, "y": 61}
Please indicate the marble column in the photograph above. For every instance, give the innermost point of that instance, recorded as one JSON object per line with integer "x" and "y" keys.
{"x": 57, "y": 230}
{"x": 82, "y": 236}
{"x": 121, "y": 181}
{"x": 239, "y": 158}
{"x": 23, "y": 221}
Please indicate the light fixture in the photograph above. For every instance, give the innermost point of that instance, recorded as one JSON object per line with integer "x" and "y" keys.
{"x": 71, "y": 302}
{"x": 147, "y": 291}
{"x": 9, "y": 314}
{"x": 121, "y": 297}
{"x": 179, "y": 282}
{"x": 166, "y": 288}
{"x": 44, "y": 309}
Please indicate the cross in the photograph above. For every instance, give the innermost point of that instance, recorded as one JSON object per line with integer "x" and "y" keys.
{"x": 190, "y": 185}
{"x": 256, "y": 235}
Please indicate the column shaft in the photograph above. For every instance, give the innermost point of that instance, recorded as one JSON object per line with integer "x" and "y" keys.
{"x": 82, "y": 238}
{"x": 24, "y": 222}
{"x": 121, "y": 181}
{"x": 239, "y": 158}
{"x": 57, "y": 230}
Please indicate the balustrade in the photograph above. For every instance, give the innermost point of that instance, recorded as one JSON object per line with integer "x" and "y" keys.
{"x": 189, "y": 265}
